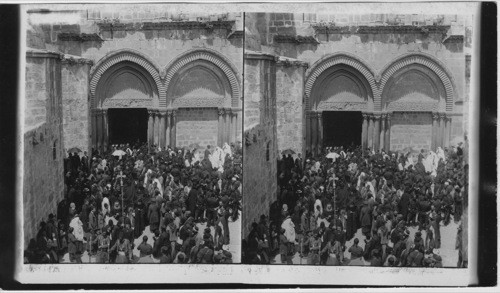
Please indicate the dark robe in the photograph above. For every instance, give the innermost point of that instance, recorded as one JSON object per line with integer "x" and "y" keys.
{"x": 404, "y": 203}
{"x": 154, "y": 216}
{"x": 62, "y": 210}
{"x": 139, "y": 222}
{"x": 191, "y": 201}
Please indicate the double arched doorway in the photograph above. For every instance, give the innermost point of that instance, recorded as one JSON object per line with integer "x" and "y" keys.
{"x": 196, "y": 99}
{"x": 408, "y": 104}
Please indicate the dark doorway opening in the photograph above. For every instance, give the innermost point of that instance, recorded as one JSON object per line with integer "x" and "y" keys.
{"x": 128, "y": 126}
{"x": 342, "y": 128}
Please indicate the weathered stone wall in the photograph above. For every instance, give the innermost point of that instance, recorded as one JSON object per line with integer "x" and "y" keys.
{"x": 260, "y": 143}
{"x": 411, "y": 130}
{"x": 158, "y": 33}
{"x": 378, "y": 48}
{"x": 43, "y": 182}
{"x": 196, "y": 126}
{"x": 76, "y": 108}
{"x": 144, "y": 29}
{"x": 457, "y": 130}
{"x": 377, "y": 40}
{"x": 289, "y": 107}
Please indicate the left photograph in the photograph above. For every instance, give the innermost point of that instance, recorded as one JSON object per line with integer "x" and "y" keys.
{"x": 132, "y": 118}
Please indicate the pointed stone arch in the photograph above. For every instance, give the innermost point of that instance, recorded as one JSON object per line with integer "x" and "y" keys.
{"x": 213, "y": 57}
{"x": 427, "y": 61}
{"x": 125, "y": 55}
{"x": 340, "y": 58}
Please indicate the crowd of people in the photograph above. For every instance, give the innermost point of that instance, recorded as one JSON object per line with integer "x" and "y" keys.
{"x": 324, "y": 200}
{"x": 113, "y": 197}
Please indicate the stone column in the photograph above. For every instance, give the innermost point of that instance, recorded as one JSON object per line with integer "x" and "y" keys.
{"x": 150, "y": 126}
{"x": 447, "y": 131}
{"x": 168, "y": 130}
{"x": 94, "y": 129}
{"x": 370, "y": 131}
{"x": 435, "y": 127}
{"x": 162, "y": 129}
{"x": 314, "y": 133}
{"x": 156, "y": 136}
{"x": 99, "y": 131}
{"x": 227, "y": 128}
{"x": 388, "y": 133}
{"x": 308, "y": 132}
{"x": 376, "y": 132}
{"x": 382, "y": 132}
{"x": 234, "y": 121}
{"x": 442, "y": 121}
{"x": 220, "y": 128}
{"x": 105, "y": 129}
{"x": 364, "y": 131}
{"x": 173, "y": 130}
{"x": 320, "y": 132}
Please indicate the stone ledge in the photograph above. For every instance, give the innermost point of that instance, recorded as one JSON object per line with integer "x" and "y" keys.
{"x": 381, "y": 29}
{"x": 236, "y": 35}
{"x": 79, "y": 37}
{"x": 172, "y": 25}
{"x": 254, "y": 55}
{"x": 454, "y": 39}
{"x": 298, "y": 39}
{"x": 40, "y": 53}
{"x": 114, "y": 25}
{"x": 71, "y": 59}
{"x": 289, "y": 62}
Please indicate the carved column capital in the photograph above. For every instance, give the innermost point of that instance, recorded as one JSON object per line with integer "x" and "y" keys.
{"x": 319, "y": 115}
{"x": 435, "y": 115}
{"x": 174, "y": 113}
{"x": 376, "y": 116}
{"x": 384, "y": 116}
{"x": 151, "y": 112}
{"x": 442, "y": 116}
{"x": 221, "y": 111}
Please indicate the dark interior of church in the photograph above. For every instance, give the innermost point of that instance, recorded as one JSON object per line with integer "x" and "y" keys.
{"x": 342, "y": 128}
{"x": 128, "y": 125}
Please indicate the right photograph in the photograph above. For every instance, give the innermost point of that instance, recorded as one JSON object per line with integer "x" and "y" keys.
{"x": 355, "y": 141}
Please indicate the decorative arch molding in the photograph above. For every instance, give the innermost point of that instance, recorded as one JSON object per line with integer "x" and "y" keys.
{"x": 425, "y": 60}
{"x": 139, "y": 90}
{"x": 116, "y": 57}
{"x": 341, "y": 87}
{"x": 215, "y": 88}
{"x": 341, "y": 58}
{"x": 208, "y": 55}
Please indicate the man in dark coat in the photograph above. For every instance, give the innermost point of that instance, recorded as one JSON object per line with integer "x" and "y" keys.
{"x": 154, "y": 216}
{"x": 191, "y": 201}
{"x": 139, "y": 219}
{"x": 403, "y": 204}
{"x": 62, "y": 210}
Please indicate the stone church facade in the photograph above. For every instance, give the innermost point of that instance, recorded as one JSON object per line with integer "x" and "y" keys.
{"x": 385, "y": 81}
{"x": 406, "y": 75}
{"x": 94, "y": 72}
